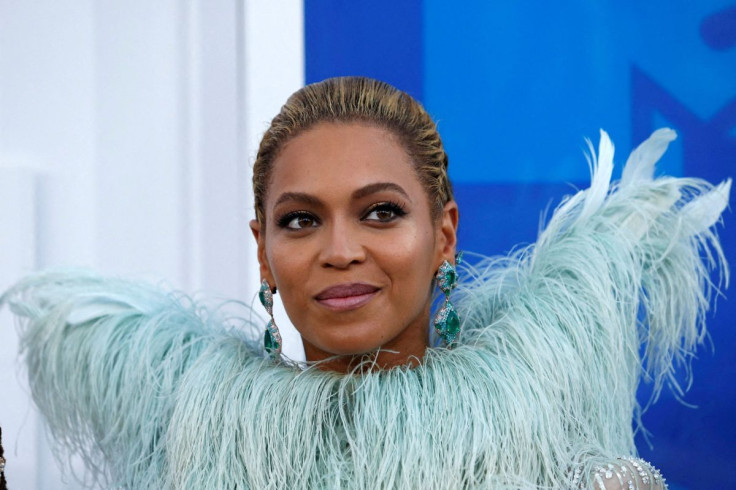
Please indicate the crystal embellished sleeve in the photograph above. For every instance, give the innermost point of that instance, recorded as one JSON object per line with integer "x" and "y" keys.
{"x": 626, "y": 473}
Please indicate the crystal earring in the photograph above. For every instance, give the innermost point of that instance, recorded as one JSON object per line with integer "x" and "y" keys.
{"x": 447, "y": 321}
{"x": 272, "y": 338}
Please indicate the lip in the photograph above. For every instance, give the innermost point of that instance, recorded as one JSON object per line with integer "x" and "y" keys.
{"x": 345, "y": 297}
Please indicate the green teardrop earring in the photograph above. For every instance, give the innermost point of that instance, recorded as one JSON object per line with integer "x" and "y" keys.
{"x": 272, "y": 337}
{"x": 447, "y": 321}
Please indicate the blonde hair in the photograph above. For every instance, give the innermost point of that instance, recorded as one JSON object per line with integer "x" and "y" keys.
{"x": 358, "y": 99}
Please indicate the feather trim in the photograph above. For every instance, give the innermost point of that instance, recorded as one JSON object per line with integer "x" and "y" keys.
{"x": 155, "y": 390}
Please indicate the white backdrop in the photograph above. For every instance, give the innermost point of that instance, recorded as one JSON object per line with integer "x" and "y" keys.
{"x": 127, "y": 132}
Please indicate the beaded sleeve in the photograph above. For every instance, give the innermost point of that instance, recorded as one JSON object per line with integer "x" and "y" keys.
{"x": 626, "y": 473}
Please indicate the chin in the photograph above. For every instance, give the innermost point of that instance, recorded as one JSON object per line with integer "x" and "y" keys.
{"x": 349, "y": 345}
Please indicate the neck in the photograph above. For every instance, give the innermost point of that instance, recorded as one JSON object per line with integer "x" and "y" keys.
{"x": 383, "y": 358}
{"x": 407, "y": 349}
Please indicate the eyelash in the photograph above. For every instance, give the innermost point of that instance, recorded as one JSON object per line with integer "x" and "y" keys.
{"x": 396, "y": 208}
{"x": 285, "y": 220}
{"x": 392, "y": 206}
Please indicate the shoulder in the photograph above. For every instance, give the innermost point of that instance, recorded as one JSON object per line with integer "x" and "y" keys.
{"x": 625, "y": 473}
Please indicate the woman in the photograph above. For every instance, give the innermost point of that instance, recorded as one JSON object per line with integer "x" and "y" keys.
{"x": 356, "y": 225}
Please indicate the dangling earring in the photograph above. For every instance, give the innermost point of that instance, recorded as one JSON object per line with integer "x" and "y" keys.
{"x": 447, "y": 322}
{"x": 272, "y": 338}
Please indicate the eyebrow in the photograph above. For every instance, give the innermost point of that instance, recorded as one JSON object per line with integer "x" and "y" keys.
{"x": 378, "y": 187}
{"x": 358, "y": 194}
{"x": 298, "y": 197}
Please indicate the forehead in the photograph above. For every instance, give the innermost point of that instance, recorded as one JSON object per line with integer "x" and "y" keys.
{"x": 337, "y": 158}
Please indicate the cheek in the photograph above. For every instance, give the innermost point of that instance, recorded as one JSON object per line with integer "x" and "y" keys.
{"x": 410, "y": 262}
{"x": 287, "y": 264}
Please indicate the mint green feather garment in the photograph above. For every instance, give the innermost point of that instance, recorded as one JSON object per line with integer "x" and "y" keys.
{"x": 156, "y": 390}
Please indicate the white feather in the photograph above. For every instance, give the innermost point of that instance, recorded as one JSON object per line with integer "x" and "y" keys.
{"x": 703, "y": 211}
{"x": 640, "y": 164}
{"x": 602, "y": 168}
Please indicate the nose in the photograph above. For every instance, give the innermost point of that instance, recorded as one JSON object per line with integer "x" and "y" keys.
{"x": 341, "y": 247}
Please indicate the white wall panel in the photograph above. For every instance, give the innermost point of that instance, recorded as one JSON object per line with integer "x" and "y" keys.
{"x": 47, "y": 117}
{"x": 218, "y": 222}
{"x": 138, "y": 137}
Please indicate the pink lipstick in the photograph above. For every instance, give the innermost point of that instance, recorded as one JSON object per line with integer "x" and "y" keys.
{"x": 344, "y": 297}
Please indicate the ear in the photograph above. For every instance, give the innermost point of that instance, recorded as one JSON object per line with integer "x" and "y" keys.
{"x": 447, "y": 233}
{"x": 264, "y": 268}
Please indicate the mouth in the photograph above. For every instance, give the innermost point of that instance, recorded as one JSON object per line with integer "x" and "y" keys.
{"x": 344, "y": 297}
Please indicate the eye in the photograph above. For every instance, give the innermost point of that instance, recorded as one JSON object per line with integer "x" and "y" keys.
{"x": 298, "y": 220}
{"x": 384, "y": 212}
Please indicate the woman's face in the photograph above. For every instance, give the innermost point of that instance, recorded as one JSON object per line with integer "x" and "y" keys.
{"x": 350, "y": 243}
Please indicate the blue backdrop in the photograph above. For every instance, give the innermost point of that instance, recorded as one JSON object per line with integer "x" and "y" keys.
{"x": 515, "y": 87}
